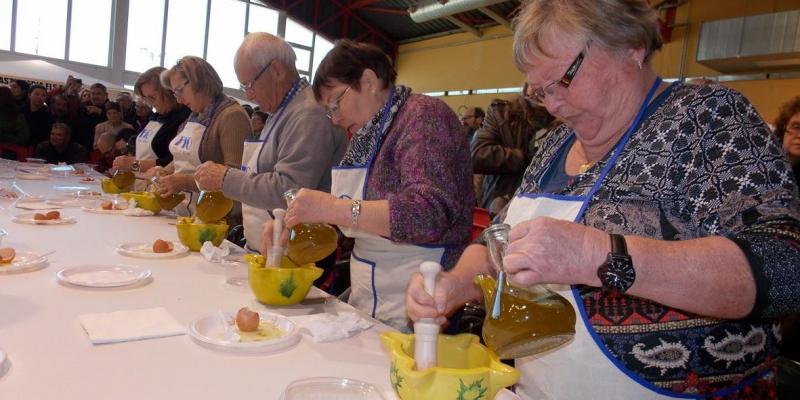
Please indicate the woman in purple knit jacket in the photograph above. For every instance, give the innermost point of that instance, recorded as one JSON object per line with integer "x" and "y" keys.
{"x": 403, "y": 189}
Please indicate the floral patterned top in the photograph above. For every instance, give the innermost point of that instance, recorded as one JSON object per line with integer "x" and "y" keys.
{"x": 423, "y": 169}
{"x": 702, "y": 163}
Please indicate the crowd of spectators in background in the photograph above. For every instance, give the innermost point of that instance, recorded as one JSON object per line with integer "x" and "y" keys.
{"x": 74, "y": 122}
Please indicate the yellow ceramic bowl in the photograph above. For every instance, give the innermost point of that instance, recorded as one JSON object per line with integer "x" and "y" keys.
{"x": 109, "y": 187}
{"x": 465, "y": 369}
{"x": 282, "y": 286}
{"x": 193, "y": 234}
{"x": 144, "y": 200}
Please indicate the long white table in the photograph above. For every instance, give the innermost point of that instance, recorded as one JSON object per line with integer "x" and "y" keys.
{"x": 51, "y": 356}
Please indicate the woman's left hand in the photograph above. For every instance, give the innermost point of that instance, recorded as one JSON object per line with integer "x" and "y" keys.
{"x": 209, "y": 176}
{"x": 309, "y": 206}
{"x": 123, "y": 162}
{"x": 547, "y": 250}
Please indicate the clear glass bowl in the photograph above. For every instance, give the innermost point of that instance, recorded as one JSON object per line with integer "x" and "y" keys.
{"x": 330, "y": 388}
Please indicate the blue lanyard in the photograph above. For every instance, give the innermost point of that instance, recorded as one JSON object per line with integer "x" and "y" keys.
{"x": 384, "y": 117}
{"x": 281, "y": 108}
{"x": 618, "y": 149}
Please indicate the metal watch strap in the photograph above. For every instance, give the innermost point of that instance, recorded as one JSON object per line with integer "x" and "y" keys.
{"x": 355, "y": 212}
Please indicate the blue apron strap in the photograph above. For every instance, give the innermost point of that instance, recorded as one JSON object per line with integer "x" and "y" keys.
{"x": 281, "y": 108}
{"x": 618, "y": 149}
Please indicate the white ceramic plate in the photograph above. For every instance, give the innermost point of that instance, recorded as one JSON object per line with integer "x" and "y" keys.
{"x": 209, "y": 332}
{"x": 24, "y": 262}
{"x": 98, "y": 210}
{"x": 330, "y": 388}
{"x": 66, "y": 201}
{"x": 145, "y": 250}
{"x": 28, "y": 219}
{"x": 31, "y": 177}
{"x": 70, "y": 188}
{"x": 103, "y": 276}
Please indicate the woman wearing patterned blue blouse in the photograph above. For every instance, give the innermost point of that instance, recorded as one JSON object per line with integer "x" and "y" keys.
{"x": 668, "y": 209}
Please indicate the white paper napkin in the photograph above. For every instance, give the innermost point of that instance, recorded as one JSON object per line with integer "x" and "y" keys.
{"x": 330, "y": 328}
{"x": 130, "y": 325}
{"x": 213, "y": 253}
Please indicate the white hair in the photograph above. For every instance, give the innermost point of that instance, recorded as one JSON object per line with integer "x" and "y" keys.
{"x": 259, "y": 48}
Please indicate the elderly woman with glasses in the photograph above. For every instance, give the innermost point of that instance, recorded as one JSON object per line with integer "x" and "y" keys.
{"x": 403, "y": 189}
{"x": 668, "y": 208}
{"x": 215, "y": 131}
{"x": 787, "y": 128}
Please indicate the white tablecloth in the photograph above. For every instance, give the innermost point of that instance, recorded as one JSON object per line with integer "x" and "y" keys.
{"x": 52, "y": 358}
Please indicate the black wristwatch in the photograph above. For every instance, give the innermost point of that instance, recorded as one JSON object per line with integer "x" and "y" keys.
{"x": 617, "y": 273}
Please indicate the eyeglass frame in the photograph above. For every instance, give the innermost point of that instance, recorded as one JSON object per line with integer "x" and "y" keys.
{"x": 249, "y": 85}
{"x": 541, "y": 93}
{"x": 792, "y": 129}
{"x": 334, "y": 108}
{"x": 179, "y": 91}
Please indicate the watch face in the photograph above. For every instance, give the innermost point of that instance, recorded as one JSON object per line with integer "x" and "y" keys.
{"x": 618, "y": 273}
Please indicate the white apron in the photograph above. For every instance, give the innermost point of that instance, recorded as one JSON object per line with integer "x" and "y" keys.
{"x": 379, "y": 268}
{"x": 581, "y": 369}
{"x": 185, "y": 148}
{"x": 144, "y": 141}
{"x": 253, "y": 217}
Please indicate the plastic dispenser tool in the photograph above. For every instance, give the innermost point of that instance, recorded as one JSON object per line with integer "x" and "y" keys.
{"x": 276, "y": 251}
{"x": 426, "y": 330}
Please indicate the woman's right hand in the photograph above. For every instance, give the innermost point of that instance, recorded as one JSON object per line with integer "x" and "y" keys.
{"x": 171, "y": 184}
{"x": 445, "y": 299}
{"x": 266, "y": 237}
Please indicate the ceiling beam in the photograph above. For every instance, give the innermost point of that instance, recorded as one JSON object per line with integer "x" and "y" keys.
{"x": 457, "y": 22}
{"x": 396, "y": 11}
{"x": 361, "y": 4}
{"x": 295, "y": 4}
{"x": 345, "y": 15}
{"x": 495, "y": 16}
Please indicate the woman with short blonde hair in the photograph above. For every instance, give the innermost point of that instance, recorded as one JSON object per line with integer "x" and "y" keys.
{"x": 665, "y": 213}
{"x": 197, "y": 71}
{"x": 216, "y": 129}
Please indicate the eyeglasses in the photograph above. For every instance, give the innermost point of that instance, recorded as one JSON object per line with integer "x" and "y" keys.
{"x": 249, "y": 85}
{"x": 179, "y": 90}
{"x": 539, "y": 94}
{"x": 334, "y": 108}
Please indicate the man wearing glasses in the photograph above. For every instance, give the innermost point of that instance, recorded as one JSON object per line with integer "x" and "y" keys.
{"x": 297, "y": 146}
{"x": 472, "y": 119}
